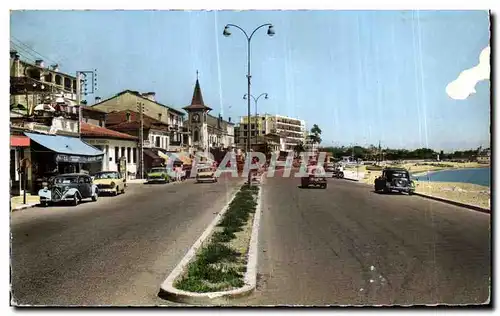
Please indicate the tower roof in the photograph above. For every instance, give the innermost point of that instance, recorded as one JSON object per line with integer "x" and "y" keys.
{"x": 197, "y": 100}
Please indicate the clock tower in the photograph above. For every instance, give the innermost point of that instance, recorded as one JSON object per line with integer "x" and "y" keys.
{"x": 197, "y": 119}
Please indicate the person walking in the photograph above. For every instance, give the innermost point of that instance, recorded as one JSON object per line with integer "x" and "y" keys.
{"x": 178, "y": 173}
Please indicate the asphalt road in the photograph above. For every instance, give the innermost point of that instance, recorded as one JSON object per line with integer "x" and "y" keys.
{"x": 116, "y": 251}
{"x": 347, "y": 245}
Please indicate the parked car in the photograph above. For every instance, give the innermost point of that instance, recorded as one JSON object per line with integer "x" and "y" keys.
{"x": 73, "y": 187}
{"x": 395, "y": 179}
{"x": 110, "y": 182}
{"x": 316, "y": 176}
{"x": 206, "y": 174}
{"x": 159, "y": 174}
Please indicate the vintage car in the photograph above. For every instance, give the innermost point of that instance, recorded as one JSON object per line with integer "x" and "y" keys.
{"x": 206, "y": 174}
{"x": 316, "y": 176}
{"x": 110, "y": 182}
{"x": 72, "y": 187}
{"x": 395, "y": 179}
{"x": 159, "y": 174}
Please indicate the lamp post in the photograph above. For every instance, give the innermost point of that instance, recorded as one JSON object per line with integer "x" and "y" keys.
{"x": 256, "y": 100}
{"x": 270, "y": 32}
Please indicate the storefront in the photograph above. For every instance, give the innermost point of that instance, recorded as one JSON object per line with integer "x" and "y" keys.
{"x": 57, "y": 154}
{"x": 19, "y": 156}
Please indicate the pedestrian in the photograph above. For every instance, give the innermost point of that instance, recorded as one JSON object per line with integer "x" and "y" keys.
{"x": 178, "y": 173}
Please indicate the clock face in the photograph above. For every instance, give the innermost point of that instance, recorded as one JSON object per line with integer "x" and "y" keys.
{"x": 196, "y": 118}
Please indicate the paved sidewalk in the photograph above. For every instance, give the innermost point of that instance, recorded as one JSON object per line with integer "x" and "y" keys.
{"x": 16, "y": 202}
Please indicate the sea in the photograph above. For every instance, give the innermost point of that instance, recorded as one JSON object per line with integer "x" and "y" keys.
{"x": 480, "y": 176}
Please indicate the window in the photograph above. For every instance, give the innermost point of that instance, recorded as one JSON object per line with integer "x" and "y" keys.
{"x": 134, "y": 156}
{"x": 123, "y": 152}
{"x": 157, "y": 143}
{"x": 159, "y": 116}
{"x": 245, "y": 133}
{"x": 128, "y": 116}
{"x": 196, "y": 136}
{"x": 252, "y": 126}
{"x": 116, "y": 154}
{"x": 128, "y": 155}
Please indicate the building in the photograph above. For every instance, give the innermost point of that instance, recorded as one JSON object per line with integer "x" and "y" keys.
{"x": 129, "y": 100}
{"x": 290, "y": 130}
{"x": 156, "y": 133}
{"x": 31, "y": 84}
{"x": 44, "y": 125}
{"x": 205, "y": 131}
{"x": 114, "y": 145}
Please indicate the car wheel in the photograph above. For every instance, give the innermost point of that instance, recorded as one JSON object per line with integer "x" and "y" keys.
{"x": 324, "y": 186}
{"x": 410, "y": 192}
{"x": 75, "y": 200}
{"x": 123, "y": 190}
{"x": 116, "y": 192}
{"x": 94, "y": 197}
{"x": 44, "y": 204}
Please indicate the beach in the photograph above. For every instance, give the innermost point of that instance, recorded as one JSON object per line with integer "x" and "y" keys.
{"x": 457, "y": 191}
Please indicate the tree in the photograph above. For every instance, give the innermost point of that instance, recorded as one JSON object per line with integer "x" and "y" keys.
{"x": 315, "y": 134}
{"x": 299, "y": 148}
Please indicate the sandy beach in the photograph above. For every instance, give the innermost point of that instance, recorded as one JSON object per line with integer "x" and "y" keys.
{"x": 461, "y": 192}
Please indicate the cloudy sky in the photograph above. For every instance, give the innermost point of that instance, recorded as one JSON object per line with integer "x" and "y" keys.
{"x": 405, "y": 78}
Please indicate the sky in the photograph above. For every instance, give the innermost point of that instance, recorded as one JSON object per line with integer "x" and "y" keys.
{"x": 407, "y": 79}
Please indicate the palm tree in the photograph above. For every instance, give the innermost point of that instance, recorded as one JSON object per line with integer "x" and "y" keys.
{"x": 298, "y": 148}
{"x": 315, "y": 134}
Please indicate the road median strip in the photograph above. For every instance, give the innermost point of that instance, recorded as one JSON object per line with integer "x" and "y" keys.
{"x": 222, "y": 263}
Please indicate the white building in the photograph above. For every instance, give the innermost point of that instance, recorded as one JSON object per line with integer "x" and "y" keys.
{"x": 292, "y": 131}
{"x": 114, "y": 145}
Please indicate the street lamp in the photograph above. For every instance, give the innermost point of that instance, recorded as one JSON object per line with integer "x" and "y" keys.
{"x": 226, "y": 33}
{"x": 256, "y": 100}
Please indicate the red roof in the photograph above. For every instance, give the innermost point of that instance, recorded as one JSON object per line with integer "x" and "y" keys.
{"x": 91, "y": 130}
{"x": 119, "y": 120}
{"x": 90, "y": 108}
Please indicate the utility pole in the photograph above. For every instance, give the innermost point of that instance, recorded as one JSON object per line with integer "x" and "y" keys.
{"x": 140, "y": 107}
{"x": 78, "y": 100}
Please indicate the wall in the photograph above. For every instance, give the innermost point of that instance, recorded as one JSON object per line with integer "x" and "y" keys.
{"x": 128, "y": 101}
{"x": 109, "y": 159}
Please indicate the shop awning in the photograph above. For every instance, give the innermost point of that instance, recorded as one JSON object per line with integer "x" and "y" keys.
{"x": 19, "y": 141}
{"x": 68, "y": 149}
{"x": 150, "y": 153}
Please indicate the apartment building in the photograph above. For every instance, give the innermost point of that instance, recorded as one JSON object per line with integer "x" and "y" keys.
{"x": 291, "y": 131}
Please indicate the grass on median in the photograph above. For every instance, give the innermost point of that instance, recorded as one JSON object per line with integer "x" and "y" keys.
{"x": 218, "y": 266}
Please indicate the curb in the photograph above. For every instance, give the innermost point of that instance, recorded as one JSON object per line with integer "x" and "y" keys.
{"x": 169, "y": 292}
{"x": 443, "y": 200}
{"x": 22, "y": 207}
{"x": 469, "y": 206}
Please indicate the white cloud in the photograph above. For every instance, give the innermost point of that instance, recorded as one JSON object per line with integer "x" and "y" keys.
{"x": 462, "y": 87}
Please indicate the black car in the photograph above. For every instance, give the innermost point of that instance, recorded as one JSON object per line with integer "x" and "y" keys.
{"x": 72, "y": 187}
{"x": 316, "y": 177}
{"x": 395, "y": 179}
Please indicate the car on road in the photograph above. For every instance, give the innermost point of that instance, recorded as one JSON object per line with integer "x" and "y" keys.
{"x": 110, "y": 182}
{"x": 395, "y": 179}
{"x": 206, "y": 174}
{"x": 72, "y": 187}
{"x": 159, "y": 174}
{"x": 316, "y": 177}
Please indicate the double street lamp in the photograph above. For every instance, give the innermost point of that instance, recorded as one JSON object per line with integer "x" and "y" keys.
{"x": 227, "y": 32}
{"x": 256, "y": 100}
